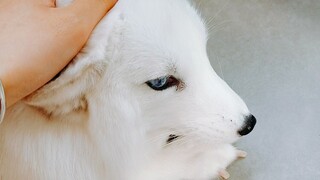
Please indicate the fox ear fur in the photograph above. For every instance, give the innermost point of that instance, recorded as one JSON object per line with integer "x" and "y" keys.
{"x": 68, "y": 91}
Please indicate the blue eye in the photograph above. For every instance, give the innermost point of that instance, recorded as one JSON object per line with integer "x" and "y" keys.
{"x": 162, "y": 83}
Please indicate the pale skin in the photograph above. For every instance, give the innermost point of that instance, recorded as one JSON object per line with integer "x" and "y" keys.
{"x": 37, "y": 40}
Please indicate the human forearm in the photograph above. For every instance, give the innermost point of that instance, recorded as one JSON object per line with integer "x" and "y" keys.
{"x": 37, "y": 41}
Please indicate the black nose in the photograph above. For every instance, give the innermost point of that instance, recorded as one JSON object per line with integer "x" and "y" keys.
{"x": 248, "y": 126}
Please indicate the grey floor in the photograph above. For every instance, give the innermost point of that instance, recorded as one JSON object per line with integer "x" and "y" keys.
{"x": 269, "y": 52}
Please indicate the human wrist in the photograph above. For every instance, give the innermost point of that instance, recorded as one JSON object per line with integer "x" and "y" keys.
{"x": 2, "y": 102}
{"x": 11, "y": 96}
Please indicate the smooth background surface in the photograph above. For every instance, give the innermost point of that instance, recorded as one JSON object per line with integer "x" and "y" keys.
{"x": 269, "y": 52}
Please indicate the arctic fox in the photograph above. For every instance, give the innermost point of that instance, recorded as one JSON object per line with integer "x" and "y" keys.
{"x": 139, "y": 102}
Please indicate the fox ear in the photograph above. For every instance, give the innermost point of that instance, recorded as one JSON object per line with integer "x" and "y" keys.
{"x": 68, "y": 91}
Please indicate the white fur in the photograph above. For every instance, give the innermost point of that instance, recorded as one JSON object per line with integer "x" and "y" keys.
{"x": 99, "y": 120}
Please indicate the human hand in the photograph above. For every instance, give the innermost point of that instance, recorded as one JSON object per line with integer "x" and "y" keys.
{"x": 37, "y": 40}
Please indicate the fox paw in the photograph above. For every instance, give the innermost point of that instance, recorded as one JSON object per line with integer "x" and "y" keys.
{"x": 223, "y": 174}
{"x": 241, "y": 154}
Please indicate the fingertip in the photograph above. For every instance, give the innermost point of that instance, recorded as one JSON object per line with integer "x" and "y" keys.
{"x": 98, "y": 7}
{"x": 90, "y": 12}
